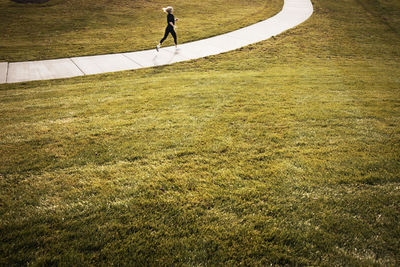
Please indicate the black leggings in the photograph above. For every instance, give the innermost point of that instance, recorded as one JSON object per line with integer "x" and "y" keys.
{"x": 167, "y": 31}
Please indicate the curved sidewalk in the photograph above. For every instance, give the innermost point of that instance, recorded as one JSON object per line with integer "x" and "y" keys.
{"x": 292, "y": 14}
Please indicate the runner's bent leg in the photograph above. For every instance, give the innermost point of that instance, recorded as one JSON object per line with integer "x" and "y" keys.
{"x": 165, "y": 35}
{"x": 174, "y": 35}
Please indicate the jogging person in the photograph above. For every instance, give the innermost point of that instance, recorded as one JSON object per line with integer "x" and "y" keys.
{"x": 170, "y": 27}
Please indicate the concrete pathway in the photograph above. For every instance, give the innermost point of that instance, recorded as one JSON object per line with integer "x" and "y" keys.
{"x": 292, "y": 14}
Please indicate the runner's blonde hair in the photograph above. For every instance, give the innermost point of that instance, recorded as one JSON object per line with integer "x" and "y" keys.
{"x": 168, "y": 9}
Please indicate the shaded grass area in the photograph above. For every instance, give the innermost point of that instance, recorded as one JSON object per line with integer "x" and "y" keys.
{"x": 58, "y": 28}
{"x": 283, "y": 152}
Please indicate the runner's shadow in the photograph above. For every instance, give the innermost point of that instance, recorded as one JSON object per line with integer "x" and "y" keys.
{"x": 165, "y": 58}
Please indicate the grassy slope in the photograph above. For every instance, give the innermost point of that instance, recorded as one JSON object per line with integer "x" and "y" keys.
{"x": 284, "y": 152}
{"x": 61, "y": 28}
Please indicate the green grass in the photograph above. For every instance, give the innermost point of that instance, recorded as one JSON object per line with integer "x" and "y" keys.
{"x": 283, "y": 152}
{"x": 71, "y": 28}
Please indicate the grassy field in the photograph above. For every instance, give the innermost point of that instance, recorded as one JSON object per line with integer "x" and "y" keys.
{"x": 62, "y": 28}
{"x": 283, "y": 152}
